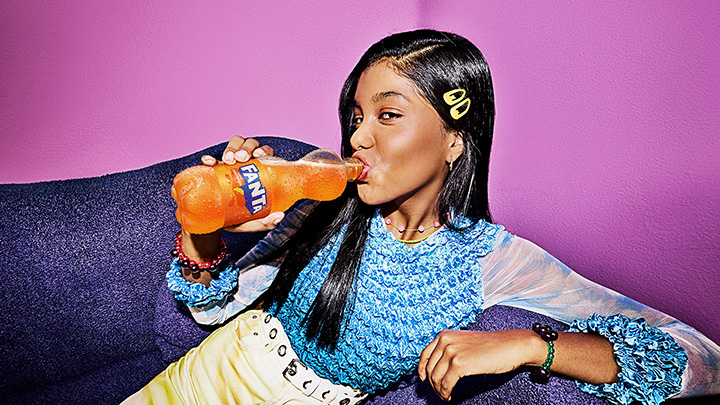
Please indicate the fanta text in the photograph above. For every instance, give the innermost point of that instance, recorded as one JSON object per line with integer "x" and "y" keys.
{"x": 253, "y": 190}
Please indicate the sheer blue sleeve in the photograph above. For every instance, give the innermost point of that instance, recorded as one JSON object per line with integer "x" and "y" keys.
{"x": 243, "y": 282}
{"x": 518, "y": 273}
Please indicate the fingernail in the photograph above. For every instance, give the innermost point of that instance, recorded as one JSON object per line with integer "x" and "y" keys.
{"x": 277, "y": 220}
{"x": 242, "y": 155}
{"x": 228, "y": 157}
{"x": 258, "y": 152}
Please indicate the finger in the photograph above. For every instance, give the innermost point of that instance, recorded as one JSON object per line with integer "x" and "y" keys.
{"x": 263, "y": 151}
{"x": 435, "y": 355}
{"x": 424, "y": 356}
{"x": 245, "y": 152}
{"x": 258, "y": 225}
{"x": 208, "y": 160}
{"x": 235, "y": 143}
{"x": 448, "y": 382}
{"x": 438, "y": 373}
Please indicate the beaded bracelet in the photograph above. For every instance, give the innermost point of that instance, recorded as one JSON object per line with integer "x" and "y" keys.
{"x": 211, "y": 266}
{"x": 542, "y": 374}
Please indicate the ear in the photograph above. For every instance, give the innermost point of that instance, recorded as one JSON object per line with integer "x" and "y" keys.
{"x": 456, "y": 146}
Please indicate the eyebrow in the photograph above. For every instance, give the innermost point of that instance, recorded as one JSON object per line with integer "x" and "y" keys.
{"x": 387, "y": 94}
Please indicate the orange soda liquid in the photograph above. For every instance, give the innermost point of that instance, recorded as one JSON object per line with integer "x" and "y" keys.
{"x": 213, "y": 197}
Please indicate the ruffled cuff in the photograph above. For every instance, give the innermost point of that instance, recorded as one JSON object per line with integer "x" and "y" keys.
{"x": 198, "y": 295}
{"x": 651, "y": 362}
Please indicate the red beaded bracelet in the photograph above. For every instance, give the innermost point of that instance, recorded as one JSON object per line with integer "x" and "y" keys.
{"x": 212, "y": 266}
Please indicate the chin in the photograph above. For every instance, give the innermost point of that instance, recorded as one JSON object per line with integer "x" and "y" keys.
{"x": 369, "y": 197}
{"x": 368, "y": 201}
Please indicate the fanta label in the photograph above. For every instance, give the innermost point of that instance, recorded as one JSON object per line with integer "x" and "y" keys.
{"x": 253, "y": 190}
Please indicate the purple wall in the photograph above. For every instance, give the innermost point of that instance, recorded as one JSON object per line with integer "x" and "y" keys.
{"x": 606, "y": 136}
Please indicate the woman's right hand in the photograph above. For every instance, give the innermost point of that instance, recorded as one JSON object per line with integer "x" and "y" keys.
{"x": 241, "y": 150}
{"x": 201, "y": 247}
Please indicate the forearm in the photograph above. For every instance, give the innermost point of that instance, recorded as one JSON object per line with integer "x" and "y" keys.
{"x": 581, "y": 356}
{"x": 200, "y": 248}
{"x": 458, "y": 353}
{"x": 213, "y": 297}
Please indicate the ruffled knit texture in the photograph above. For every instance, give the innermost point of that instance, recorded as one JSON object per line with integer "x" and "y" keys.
{"x": 197, "y": 295}
{"x": 651, "y": 362}
{"x": 404, "y": 297}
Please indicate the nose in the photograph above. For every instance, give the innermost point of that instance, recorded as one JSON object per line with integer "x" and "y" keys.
{"x": 361, "y": 138}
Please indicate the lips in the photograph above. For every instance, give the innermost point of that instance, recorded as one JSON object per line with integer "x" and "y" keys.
{"x": 363, "y": 175}
{"x": 366, "y": 169}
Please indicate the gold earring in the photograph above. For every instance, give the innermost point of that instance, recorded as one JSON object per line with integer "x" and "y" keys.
{"x": 451, "y": 163}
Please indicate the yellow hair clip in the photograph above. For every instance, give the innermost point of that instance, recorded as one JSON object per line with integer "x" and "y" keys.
{"x": 460, "y": 103}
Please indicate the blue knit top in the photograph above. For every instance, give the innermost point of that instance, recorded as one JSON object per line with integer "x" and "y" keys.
{"x": 403, "y": 297}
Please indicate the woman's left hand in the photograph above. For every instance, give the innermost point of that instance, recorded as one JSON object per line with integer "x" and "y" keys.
{"x": 454, "y": 354}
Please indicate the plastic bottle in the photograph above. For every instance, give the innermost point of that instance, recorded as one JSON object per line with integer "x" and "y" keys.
{"x": 212, "y": 197}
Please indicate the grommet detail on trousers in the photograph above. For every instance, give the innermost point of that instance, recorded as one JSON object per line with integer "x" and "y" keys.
{"x": 247, "y": 361}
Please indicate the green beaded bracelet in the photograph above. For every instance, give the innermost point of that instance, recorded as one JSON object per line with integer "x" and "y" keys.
{"x": 542, "y": 374}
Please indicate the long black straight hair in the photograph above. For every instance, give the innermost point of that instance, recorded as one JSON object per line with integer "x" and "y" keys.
{"x": 437, "y": 62}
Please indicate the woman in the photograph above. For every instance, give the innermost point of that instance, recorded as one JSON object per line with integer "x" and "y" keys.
{"x": 377, "y": 284}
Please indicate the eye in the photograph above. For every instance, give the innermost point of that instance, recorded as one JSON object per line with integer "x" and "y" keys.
{"x": 388, "y": 116}
{"x": 356, "y": 121}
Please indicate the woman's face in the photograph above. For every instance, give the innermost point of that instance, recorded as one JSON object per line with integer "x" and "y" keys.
{"x": 401, "y": 139}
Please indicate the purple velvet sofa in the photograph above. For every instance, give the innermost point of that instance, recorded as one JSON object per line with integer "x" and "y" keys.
{"x": 87, "y": 318}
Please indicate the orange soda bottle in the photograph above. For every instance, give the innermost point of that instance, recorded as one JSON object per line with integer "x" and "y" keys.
{"x": 213, "y": 197}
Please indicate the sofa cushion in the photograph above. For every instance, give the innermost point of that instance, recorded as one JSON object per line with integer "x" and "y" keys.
{"x": 83, "y": 262}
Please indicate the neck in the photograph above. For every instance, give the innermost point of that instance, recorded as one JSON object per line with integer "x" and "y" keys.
{"x": 411, "y": 219}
